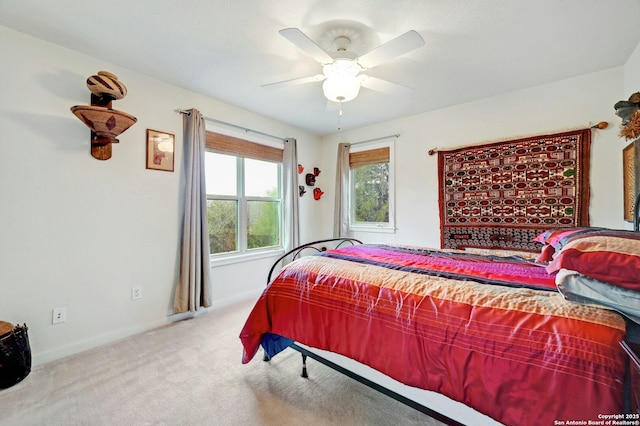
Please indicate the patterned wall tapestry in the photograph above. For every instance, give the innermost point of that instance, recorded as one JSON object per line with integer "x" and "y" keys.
{"x": 501, "y": 195}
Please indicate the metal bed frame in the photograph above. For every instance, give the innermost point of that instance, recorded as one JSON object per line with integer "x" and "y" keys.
{"x": 321, "y": 245}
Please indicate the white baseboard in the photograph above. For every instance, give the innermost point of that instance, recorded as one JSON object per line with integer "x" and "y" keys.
{"x": 230, "y": 301}
{"x": 93, "y": 342}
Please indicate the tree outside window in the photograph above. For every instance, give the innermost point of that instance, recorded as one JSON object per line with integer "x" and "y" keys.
{"x": 244, "y": 198}
{"x": 371, "y": 180}
{"x": 371, "y": 193}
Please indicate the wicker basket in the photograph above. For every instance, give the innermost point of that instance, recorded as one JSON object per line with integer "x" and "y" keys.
{"x": 15, "y": 354}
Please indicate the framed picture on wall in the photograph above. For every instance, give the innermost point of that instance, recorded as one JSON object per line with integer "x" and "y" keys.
{"x": 630, "y": 177}
{"x": 160, "y": 148}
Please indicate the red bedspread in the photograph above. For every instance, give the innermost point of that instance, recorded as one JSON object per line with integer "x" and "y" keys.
{"x": 521, "y": 355}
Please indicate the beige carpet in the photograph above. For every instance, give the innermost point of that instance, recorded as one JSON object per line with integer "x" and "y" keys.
{"x": 189, "y": 373}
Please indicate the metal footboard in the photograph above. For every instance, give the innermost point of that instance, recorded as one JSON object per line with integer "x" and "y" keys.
{"x": 334, "y": 243}
{"x": 317, "y": 246}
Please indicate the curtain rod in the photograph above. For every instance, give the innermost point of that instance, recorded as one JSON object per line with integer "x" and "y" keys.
{"x": 601, "y": 125}
{"x": 376, "y": 139}
{"x": 245, "y": 129}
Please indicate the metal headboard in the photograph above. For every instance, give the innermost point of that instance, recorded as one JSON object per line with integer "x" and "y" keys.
{"x": 295, "y": 252}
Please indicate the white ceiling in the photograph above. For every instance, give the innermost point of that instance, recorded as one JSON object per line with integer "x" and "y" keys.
{"x": 229, "y": 49}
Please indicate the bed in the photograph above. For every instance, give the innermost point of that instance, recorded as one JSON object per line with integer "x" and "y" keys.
{"x": 482, "y": 338}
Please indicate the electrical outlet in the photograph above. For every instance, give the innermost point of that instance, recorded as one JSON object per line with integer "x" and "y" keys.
{"x": 136, "y": 293}
{"x": 59, "y": 315}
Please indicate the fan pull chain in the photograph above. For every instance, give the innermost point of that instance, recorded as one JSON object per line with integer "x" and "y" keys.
{"x": 339, "y": 117}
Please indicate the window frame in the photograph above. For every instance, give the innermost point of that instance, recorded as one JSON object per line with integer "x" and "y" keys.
{"x": 382, "y": 227}
{"x": 243, "y": 252}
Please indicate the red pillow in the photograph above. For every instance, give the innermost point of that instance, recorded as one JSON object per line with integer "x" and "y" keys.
{"x": 612, "y": 256}
{"x": 546, "y": 254}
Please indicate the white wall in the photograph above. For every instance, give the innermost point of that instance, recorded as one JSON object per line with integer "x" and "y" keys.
{"x": 78, "y": 232}
{"x": 632, "y": 74}
{"x": 564, "y": 105}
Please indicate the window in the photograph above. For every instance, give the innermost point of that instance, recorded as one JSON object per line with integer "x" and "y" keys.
{"x": 371, "y": 195}
{"x": 244, "y": 195}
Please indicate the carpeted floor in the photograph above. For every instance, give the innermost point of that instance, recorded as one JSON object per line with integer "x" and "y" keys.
{"x": 189, "y": 373}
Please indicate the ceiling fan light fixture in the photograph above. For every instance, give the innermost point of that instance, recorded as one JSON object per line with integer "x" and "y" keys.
{"x": 342, "y": 83}
{"x": 341, "y": 70}
{"x": 342, "y": 67}
{"x": 343, "y": 88}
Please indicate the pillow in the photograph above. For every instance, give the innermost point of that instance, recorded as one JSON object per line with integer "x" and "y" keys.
{"x": 553, "y": 237}
{"x": 551, "y": 241}
{"x": 546, "y": 254}
{"x": 611, "y": 256}
{"x": 588, "y": 291}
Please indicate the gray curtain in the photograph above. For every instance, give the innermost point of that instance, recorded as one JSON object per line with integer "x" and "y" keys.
{"x": 341, "y": 213}
{"x": 193, "y": 289}
{"x": 290, "y": 194}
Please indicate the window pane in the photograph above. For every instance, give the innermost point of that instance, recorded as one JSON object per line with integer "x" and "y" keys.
{"x": 221, "y": 174}
{"x": 261, "y": 178}
{"x": 263, "y": 224}
{"x": 371, "y": 193}
{"x": 223, "y": 223}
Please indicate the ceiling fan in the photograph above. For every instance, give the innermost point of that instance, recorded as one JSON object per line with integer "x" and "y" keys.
{"x": 341, "y": 75}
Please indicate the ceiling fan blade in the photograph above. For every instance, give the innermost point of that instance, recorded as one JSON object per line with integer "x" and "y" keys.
{"x": 400, "y": 45}
{"x": 385, "y": 86}
{"x": 308, "y": 46}
{"x": 295, "y": 81}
